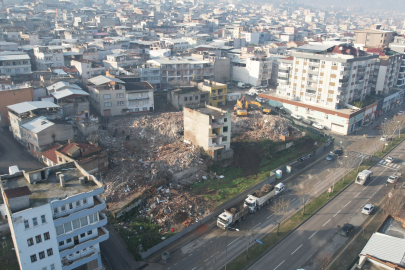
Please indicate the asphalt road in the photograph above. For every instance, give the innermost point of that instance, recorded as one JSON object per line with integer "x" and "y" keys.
{"x": 297, "y": 250}
{"x": 13, "y": 153}
{"x": 210, "y": 252}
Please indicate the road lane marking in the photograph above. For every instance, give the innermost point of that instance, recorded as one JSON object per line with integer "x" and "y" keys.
{"x": 296, "y": 249}
{"x": 194, "y": 268}
{"x": 270, "y": 216}
{"x": 190, "y": 254}
{"x": 312, "y": 235}
{"x": 168, "y": 268}
{"x": 364, "y": 188}
{"x": 337, "y": 213}
{"x": 317, "y": 183}
{"x": 347, "y": 204}
{"x": 357, "y": 194}
{"x": 234, "y": 240}
{"x": 326, "y": 222}
{"x": 256, "y": 225}
{"x": 293, "y": 200}
{"x": 279, "y": 265}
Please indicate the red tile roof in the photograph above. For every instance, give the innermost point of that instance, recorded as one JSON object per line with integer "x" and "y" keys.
{"x": 17, "y": 192}
{"x": 375, "y": 51}
{"x": 51, "y": 154}
{"x": 66, "y": 148}
{"x": 344, "y": 50}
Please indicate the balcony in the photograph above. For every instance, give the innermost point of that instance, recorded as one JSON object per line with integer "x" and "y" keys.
{"x": 310, "y": 93}
{"x": 283, "y": 75}
{"x": 313, "y": 71}
{"x": 313, "y": 79}
{"x": 311, "y": 87}
{"x": 69, "y": 265}
{"x": 216, "y": 125}
{"x": 283, "y": 70}
{"x": 280, "y": 81}
{"x": 137, "y": 98}
{"x": 314, "y": 64}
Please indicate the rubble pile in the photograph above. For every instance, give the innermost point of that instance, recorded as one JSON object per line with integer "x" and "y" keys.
{"x": 264, "y": 190}
{"x": 260, "y": 126}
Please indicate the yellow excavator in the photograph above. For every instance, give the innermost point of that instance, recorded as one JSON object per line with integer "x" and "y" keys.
{"x": 242, "y": 106}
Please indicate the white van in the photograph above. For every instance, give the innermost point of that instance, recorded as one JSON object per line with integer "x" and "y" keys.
{"x": 279, "y": 188}
{"x": 318, "y": 126}
{"x": 296, "y": 116}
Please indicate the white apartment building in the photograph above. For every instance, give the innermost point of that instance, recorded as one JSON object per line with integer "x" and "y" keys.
{"x": 55, "y": 218}
{"x": 255, "y": 70}
{"x": 48, "y": 56}
{"x": 87, "y": 69}
{"x": 328, "y": 75}
{"x": 251, "y": 38}
{"x": 178, "y": 45}
{"x": 14, "y": 64}
{"x": 178, "y": 69}
{"x": 121, "y": 60}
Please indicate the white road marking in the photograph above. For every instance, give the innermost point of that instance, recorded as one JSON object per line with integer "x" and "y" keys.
{"x": 400, "y": 155}
{"x": 296, "y": 249}
{"x": 293, "y": 200}
{"x": 347, "y": 204}
{"x": 279, "y": 265}
{"x": 175, "y": 264}
{"x": 357, "y": 194}
{"x": 270, "y": 216}
{"x": 194, "y": 268}
{"x": 256, "y": 225}
{"x": 364, "y": 188}
{"x": 337, "y": 213}
{"x": 234, "y": 240}
{"x": 381, "y": 161}
{"x": 317, "y": 183}
{"x": 190, "y": 254}
{"x": 326, "y": 222}
{"x": 168, "y": 268}
{"x": 312, "y": 235}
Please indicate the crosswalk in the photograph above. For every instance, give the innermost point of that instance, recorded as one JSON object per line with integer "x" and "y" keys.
{"x": 389, "y": 165}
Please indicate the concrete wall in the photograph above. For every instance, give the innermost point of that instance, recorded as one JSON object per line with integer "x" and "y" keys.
{"x": 196, "y": 128}
{"x": 55, "y": 133}
{"x": 11, "y": 97}
{"x": 71, "y": 109}
{"x": 18, "y": 203}
{"x": 222, "y": 70}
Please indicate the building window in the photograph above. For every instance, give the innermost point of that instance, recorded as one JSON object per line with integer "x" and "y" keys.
{"x": 30, "y": 241}
{"x": 43, "y": 219}
{"x": 82, "y": 235}
{"x": 202, "y": 96}
{"x": 107, "y": 104}
{"x": 49, "y": 252}
{"x": 146, "y": 102}
{"x": 107, "y": 96}
{"x": 69, "y": 240}
{"x": 44, "y": 268}
{"x": 89, "y": 232}
{"x": 34, "y": 258}
{"x": 55, "y": 210}
{"x": 59, "y": 230}
{"x": 70, "y": 205}
{"x": 63, "y": 208}
{"x": 67, "y": 226}
{"x": 53, "y": 266}
{"x": 76, "y": 224}
{"x": 120, "y": 95}
{"x": 185, "y": 98}
{"x": 26, "y": 224}
{"x": 61, "y": 243}
{"x": 47, "y": 236}
{"x": 225, "y": 129}
{"x": 196, "y": 97}
{"x": 120, "y": 103}
{"x": 85, "y": 201}
{"x": 38, "y": 239}
{"x": 225, "y": 119}
{"x": 41, "y": 255}
{"x": 78, "y": 204}
{"x": 224, "y": 139}
{"x": 83, "y": 221}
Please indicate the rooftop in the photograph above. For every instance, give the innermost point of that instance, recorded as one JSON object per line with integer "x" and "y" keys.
{"x": 186, "y": 90}
{"x": 46, "y": 190}
{"x": 212, "y": 111}
{"x": 31, "y": 105}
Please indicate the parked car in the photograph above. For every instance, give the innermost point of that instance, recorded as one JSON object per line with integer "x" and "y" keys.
{"x": 279, "y": 188}
{"x": 318, "y": 126}
{"x": 400, "y": 113}
{"x": 307, "y": 121}
{"x": 392, "y": 179}
{"x": 259, "y": 99}
{"x": 250, "y": 94}
{"x": 368, "y": 209}
{"x": 347, "y": 229}
{"x": 384, "y": 138}
{"x": 377, "y": 127}
{"x": 338, "y": 152}
{"x": 296, "y": 116}
{"x": 280, "y": 110}
{"x": 390, "y": 160}
{"x": 330, "y": 157}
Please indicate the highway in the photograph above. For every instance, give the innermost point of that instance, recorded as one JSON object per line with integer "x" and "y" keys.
{"x": 209, "y": 251}
{"x": 298, "y": 249}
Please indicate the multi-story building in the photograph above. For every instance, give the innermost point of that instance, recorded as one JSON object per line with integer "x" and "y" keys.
{"x": 55, "y": 218}
{"x": 14, "y": 63}
{"x": 88, "y": 69}
{"x": 138, "y": 97}
{"x": 11, "y": 94}
{"x": 121, "y": 60}
{"x": 210, "y": 128}
{"x": 386, "y": 70}
{"x": 284, "y": 66}
{"x": 190, "y": 97}
{"x": 182, "y": 69}
{"x": 24, "y": 112}
{"x": 398, "y": 45}
{"x": 48, "y": 56}
{"x": 374, "y": 37}
{"x": 255, "y": 70}
{"x": 217, "y": 92}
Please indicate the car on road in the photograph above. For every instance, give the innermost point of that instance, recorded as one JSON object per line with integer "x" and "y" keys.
{"x": 389, "y": 159}
{"x": 318, "y": 126}
{"x": 377, "y": 127}
{"x": 400, "y": 113}
{"x": 307, "y": 121}
{"x": 259, "y": 99}
{"x": 279, "y": 188}
{"x": 338, "y": 152}
{"x": 330, "y": 157}
{"x": 347, "y": 229}
{"x": 296, "y": 116}
{"x": 392, "y": 179}
{"x": 368, "y": 209}
{"x": 384, "y": 138}
{"x": 250, "y": 93}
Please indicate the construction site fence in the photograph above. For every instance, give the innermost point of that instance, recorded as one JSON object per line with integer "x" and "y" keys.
{"x": 221, "y": 208}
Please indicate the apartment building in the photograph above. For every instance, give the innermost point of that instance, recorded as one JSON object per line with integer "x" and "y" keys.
{"x": 55, "y": 218}
{"x": 14, "y": 63}
{"x": 11, "y": 94}
{"x": 121, "y": 61}
{"x": 24, "y": 112}
{"x": 177, "y": 45}
{"x": 398, "y": 45}
{"x": 217, "y": 92}
{"x": 138, "y": 97}
{"x": 182, "y": 69}
{"x": 107, "y": 95}
{"x": 72, "y": 101}
{"x": 190, "y": 97}
{"x": 374, "y": 37}
{"x": 210, "y": 128}
{"x": 48, "y": 56}
{"x": 254, "y": 70}
{"x": 385, "y": 70}
{"x": 87, "y": 69}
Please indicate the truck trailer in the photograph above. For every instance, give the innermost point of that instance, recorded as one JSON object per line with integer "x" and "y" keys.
{"x": 233, "y": 214}
{"x": 260, "y": 197}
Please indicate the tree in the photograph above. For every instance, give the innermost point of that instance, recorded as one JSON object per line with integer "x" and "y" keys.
{"x": 279, "y": 207}
{"x": 393, "y": 205}
{"x": 389, "y": 128}
{"x": 304, "y": 191}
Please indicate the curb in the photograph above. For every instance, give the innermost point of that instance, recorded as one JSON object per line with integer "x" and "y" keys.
{"x": 282, "y": 239}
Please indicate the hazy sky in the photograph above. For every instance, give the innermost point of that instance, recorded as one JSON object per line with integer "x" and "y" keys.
{"x": 397, "y": 5}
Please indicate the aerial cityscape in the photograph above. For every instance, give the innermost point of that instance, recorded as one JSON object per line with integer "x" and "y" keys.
{"x": 197, "y": 135}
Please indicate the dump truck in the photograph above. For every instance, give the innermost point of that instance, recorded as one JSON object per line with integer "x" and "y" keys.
{"x": 363, "y": 176}
{"x": 260, "y": 197}
{"x": 233, "y": 214}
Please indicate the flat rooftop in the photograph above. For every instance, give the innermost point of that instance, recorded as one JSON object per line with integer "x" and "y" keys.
{"x": 210, "y": 111}
{"x": 44, "y": 191}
